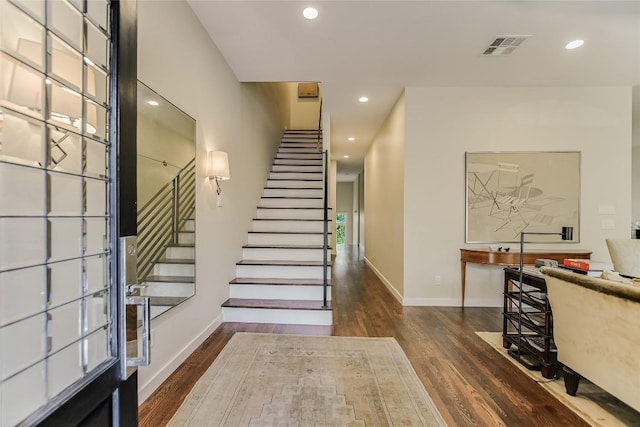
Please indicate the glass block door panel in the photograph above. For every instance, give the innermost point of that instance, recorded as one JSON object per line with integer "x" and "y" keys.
{"x": 56, "y": 319}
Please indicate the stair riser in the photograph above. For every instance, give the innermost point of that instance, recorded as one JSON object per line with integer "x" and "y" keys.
{"x": 291, "y": 203}
{"x": 285, "y": 239}
{"x": 276, "y": 254}
{"x": 307, "y": 293}
{"x": 186, "y": 238}
{"x": 296, "y": 168}
{"x": 189, "y": 225}
{"x": 175, "y": 252}
{"x": 287, "y": 317}
{"x": 161, "y": 289}
{"x": 293, "y": 183}
{"x": 293, "y": 192}
{"x": 290, "y": 213}
{"x": 313, "y": 136}
{"x": 317, "y": 156}
{"x": 295, "y": 140}
{"x": 300, "y": 144}
{"x": 174, "y": 270}
{"x": 288, "y": 226}
{"x": 312, "y": 162}
{"x": 280, "y": 272}
{"x": 295, "y": 175}
{"x": 283, "y": 150}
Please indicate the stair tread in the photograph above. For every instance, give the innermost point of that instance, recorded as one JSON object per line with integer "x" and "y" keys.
{"x": 297, "y": 165}
{"x": 170, "y": 279}
{"x": 176, "y": 261}
{"x": 165, "y": 300}
{"x": 275, "y": 304}
{"x": 181, "y": 245}
{"x": 290, "y": 219}
{"x": 290, "y": 282}
{"x": 293, "y": 188}
{"x": 318, "y": 156}
{"x": 254, "y": 246}
{"x": 288, "y": 232}
{"x": 296, "y": 171}
{"x": 292, "y": 207}
{"x": 297, "y": 179}
{"x": 290, "y": 197}
{"x": 283, "y": 263}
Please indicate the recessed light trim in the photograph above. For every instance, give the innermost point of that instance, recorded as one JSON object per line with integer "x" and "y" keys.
{"x": 310, "y": 13}
{"x": 363, "y": 99}
{"x": 574, "y": 44}
{"x": 154, "y": 103}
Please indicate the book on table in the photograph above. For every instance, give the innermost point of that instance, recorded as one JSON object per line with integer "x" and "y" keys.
{"x": 586, "y": 266}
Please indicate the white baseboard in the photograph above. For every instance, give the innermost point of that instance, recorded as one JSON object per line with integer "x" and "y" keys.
{"x": 145, "y": 390}
{"x": 451, "y": 302}
{"x": 384, "y": 280}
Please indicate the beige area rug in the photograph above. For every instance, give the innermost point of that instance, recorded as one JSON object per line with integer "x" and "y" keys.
{"x": 592, "y": 404}
{"x": 290, "y": 380}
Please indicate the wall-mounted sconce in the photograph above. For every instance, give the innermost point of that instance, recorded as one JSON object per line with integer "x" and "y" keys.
{"x": 218, "y": 169}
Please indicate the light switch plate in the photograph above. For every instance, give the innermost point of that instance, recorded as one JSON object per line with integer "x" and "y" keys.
{"x": 606, "y": 210}
{"x": 608, "y": 224}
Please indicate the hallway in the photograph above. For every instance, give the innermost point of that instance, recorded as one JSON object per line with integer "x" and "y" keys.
{"x": 468, "y": 381}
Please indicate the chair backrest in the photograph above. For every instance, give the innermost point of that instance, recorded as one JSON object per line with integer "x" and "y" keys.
{"x": 525, "y": 186}
{"x": 625, "y": 256}
{"x": 507, "y": 177}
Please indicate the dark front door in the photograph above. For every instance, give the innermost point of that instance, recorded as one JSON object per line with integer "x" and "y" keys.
{"x": 67, "y": 146}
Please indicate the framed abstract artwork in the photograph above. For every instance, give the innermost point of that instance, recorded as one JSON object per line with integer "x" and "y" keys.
{"x": 511, "y": 192}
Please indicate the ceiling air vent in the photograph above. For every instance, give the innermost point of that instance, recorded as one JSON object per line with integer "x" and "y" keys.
{"x": 504, "y": 45}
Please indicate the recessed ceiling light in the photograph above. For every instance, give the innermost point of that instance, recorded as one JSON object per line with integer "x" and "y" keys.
{"x": 346, "y": 157}
{"x": 310, "y": 13}
{"x": 363, "y": 99}
{"x": 154, "y": 103}
{"x": 574, "y": 44}
{"x": 351, "y": 138}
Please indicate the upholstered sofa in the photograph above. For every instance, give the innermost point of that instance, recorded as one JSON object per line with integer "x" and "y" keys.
{"x": 596, "y": 328}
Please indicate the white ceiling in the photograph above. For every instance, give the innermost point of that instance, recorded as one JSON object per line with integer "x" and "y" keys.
{"x": 376, "y": 48}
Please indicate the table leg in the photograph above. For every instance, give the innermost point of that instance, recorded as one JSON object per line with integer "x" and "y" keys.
{"x": 463, "y": 273}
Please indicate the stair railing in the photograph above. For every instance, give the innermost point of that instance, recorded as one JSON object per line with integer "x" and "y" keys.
{"x": 163, "y": 216}
{"x": 325, "y": 237}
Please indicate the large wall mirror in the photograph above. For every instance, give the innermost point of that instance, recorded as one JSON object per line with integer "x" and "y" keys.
{"x": 166, "y": 202}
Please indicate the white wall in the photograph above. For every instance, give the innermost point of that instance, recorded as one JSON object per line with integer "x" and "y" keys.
{"x": 635, "y": 180}
{"x": 304, "y": 111}
{"x": 444, "y": 123}
{"x": 361, "y": 220}
{"x": 157, "y": 143}
{"x": 384, "y": 200}
{"x": 177, "y": 59}
{"x": 355, "y": 209}
{"x": 344, "y": 196}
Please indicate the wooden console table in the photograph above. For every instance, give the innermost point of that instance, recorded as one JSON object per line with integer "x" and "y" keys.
{"x": 486, "y": 256}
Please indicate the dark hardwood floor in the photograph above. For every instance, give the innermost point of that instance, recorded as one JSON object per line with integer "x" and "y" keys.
{"x": 469, "y": 382}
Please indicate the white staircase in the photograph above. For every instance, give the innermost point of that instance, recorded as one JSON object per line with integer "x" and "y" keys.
{"x": 280, "y": 276}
